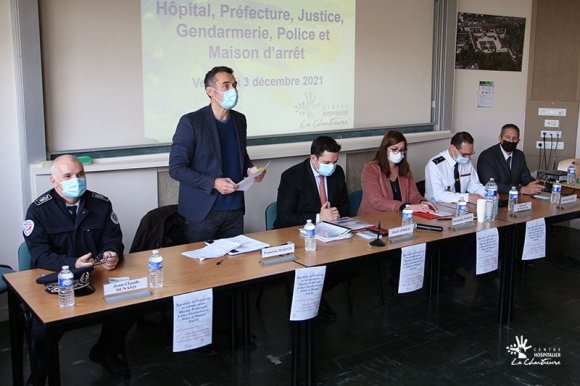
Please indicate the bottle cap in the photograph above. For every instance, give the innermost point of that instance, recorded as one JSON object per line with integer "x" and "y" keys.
{"x": 155, "y": 251}
{"x": 65, "y": 267}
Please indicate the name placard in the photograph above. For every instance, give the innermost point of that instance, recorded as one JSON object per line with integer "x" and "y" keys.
{"x": 278, "y": 250}
{"x": 125, "y": 286}
{"x": 523, "y": 206}
{"x": 401, "y": 231}
{"x": 462, "y": 220}
{"x": 568, "y": 200}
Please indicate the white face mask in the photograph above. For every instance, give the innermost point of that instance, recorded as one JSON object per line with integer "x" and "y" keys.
{"x": 396, "y": 157}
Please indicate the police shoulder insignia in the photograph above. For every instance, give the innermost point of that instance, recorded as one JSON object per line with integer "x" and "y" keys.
{"x": 114, "y": 218}
{"x": 438, "y": 160}
{"x": 100, "y": 196}
{"x": 27, "y": 227}
{"x": 43, "y": 199}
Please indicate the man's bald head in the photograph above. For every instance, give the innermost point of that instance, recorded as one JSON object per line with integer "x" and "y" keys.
{"x": 64, "y": 168}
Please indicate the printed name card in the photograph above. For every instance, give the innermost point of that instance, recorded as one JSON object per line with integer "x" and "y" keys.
{"x": 120, "y": 287}
{"x": 522, "y": 207}
{"x": 568, "y": 200}
{"x": 462, "y": 221}
{"x": 401, "y": 231}
{"x": 278, "y": 250}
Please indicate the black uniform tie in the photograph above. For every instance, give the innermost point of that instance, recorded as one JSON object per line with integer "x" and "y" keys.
{"x": 457, "y": 179}
{"x": 73, "y": 212}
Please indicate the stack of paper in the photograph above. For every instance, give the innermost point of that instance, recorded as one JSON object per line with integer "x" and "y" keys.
{"x": 329, "y": 232}
{"x": 352, "y": 223}
{"x": 232, "y": 246}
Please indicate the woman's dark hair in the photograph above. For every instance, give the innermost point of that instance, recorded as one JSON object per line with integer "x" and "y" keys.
{"x": 392, "y": 137}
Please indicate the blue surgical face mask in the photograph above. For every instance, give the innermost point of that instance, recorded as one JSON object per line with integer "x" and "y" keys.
{"x": 326, "y": 169}
{"x": 461, "y": 159}
{"x": 74, "y": 188}
{"x": 229, "y": 98}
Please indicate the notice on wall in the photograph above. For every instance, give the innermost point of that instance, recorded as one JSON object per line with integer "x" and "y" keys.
{"x": 535, "y": 241}
{"x": 412, "y": 268}
{"x": 485, "y": 94}
{"x": 192, "y": 320}
{"x": 487, "y": 251}
{"x": 307, "y": 292}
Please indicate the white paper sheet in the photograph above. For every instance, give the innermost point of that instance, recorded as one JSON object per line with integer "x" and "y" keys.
{"x": 535, "y": 241}
{"x": 247, "y": 182}
{"x": 216, "y": 249}
{"x": 487, "y": 251}
{"x": 192, "y": 320}
{"x": 307, "y": 292}
{"x": 412, "y": 268}
{"x": 246, "y": 244}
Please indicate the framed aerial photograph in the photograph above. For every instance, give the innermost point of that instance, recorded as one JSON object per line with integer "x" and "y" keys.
{"x": 489, "y": 42}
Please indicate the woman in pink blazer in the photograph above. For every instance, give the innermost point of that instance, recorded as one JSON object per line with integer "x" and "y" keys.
{"x": 387, "y": 182}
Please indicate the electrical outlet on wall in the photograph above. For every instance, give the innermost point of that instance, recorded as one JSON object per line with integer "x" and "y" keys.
{"x": 549, "y": 145}
{"x": 551, "y": 123}
{"x": 550, "y": 134}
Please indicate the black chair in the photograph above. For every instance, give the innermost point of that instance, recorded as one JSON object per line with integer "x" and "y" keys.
{"x": 421, "y": 187}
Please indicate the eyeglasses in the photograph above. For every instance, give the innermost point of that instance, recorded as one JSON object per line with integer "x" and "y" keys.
{"x": 396, "y": 150}
{"x": 101, "y": 258}
{"x": 466, "y": 155}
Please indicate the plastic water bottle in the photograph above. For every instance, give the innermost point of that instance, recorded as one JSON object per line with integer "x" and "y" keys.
{"x": 155, "y": 279}
{"x": 491, "y": 204}
{"x": 571, "y": 177}
{"x": 461, "y": 208}
{"x": 512, "y": 199}
{"x": 556, "y": 189}
{"x": 407, "y": 215}
{"x": 66, "y": 293}
{"x": 310, "y": 237}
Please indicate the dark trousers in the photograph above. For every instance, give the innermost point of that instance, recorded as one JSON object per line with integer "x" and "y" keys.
{"x": 111, "y": 341}
{"x": 218, "y": 224}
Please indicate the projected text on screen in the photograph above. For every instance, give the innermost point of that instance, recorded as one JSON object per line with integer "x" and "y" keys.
{"x": 294, "y": 62}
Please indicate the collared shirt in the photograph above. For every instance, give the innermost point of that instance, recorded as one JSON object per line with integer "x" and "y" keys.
{"x": 317, "y": 180}
{"x": 440, "y": 180}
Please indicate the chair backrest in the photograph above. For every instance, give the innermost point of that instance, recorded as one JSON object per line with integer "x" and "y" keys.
{"x": 421, "y": 187}
{"x": 354, "y": 199}
{"x": 270, "y": 215}
{"x": 160, "y": 227}
{"x": 24, "y": 258}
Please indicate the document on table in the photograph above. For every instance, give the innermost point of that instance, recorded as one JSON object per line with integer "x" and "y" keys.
{"x": 535, "y": 241}
{"x": 412, "y": 268}
{"x": 487, "y": 251}
{"x": 246, "y": 244}
{"x": 307, "y": 292}
{"x": 211, "y": 251}
{"x": 247, "y": 182}
{"x": 192, "y": 320}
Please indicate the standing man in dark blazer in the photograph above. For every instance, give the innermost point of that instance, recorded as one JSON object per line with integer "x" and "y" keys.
{"x": 209, "y": 158}
{"x": 506, "y": 164}
{"x": 313, "y": 189}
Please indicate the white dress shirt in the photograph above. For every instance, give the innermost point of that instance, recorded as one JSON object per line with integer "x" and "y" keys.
{"x": 440, "y": 179}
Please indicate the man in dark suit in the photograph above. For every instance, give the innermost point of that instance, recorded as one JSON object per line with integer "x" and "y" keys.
{"x": 506, "y": 164}
{"x": 315, "y": 189}
{"x": 209, "y": 158}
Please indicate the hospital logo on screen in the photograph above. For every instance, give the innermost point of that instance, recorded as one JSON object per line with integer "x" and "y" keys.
{"x": 528, "y": 355}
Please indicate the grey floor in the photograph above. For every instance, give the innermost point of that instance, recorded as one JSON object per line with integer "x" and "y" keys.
{"x": 452, "y": 339}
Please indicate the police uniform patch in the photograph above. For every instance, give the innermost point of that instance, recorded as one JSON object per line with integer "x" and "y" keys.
{"x": 114, "y": 218}
{"x": 100, "y": 196}
{"x": 438, "y": 160}
{"x": 27, "y": 227}
{"x": 43, "y": 199}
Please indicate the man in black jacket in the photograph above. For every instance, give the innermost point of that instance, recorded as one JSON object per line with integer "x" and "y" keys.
{"x": 70, "y": 225}
{"x": 315, "y": 189}
{"x": 507, "y": 165}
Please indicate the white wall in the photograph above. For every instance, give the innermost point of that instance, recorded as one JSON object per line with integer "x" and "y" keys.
{"x": 509, "y": 102}
{"x": 11, "y": 203}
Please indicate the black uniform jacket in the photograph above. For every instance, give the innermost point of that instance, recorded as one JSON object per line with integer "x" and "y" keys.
{"x": 54, "y": 240}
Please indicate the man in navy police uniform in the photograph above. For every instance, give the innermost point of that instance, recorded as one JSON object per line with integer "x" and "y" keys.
{"x": 69, "y": 225}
